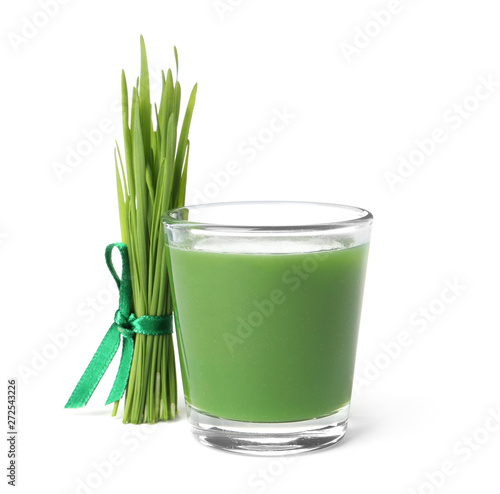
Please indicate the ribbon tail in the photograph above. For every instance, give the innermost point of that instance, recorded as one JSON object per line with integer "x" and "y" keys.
{"x": 96, "y": 369}
{"x": 122, "y": 375}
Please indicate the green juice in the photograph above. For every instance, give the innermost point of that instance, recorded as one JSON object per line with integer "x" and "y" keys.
{"x": 267, "y": 337}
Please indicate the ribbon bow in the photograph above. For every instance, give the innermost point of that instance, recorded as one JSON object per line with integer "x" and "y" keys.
{"x": 125, "y": 324}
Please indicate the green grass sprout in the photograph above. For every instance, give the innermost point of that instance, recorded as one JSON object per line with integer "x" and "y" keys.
{"x": 151, "y": 180}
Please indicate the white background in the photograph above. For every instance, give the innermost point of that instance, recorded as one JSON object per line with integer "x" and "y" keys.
{"x": 357, "y": 109}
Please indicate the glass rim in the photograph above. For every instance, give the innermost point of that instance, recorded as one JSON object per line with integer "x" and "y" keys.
{"x": 362, "y": 218}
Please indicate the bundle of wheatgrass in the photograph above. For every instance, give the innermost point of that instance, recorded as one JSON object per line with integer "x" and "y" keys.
{"x": 152, "y": 181}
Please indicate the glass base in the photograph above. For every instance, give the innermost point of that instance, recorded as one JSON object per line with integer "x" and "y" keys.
{"x": 268, "y": 439}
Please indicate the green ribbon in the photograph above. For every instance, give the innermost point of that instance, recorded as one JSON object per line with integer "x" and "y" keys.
{"x": 125, "y": 324}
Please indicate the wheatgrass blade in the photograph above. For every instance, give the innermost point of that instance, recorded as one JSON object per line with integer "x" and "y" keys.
{"x": 127, "y": 138}
{"x": 182, "y": 187}
{"x": 141, "y": 191}
{"x": 176, "y": 62}
{"x": 181, "y": 149}
{"x": 177, "y": 102}
{"x": 121, "y": 202}
{"x": 148, "y": 349}
{"x": 145, "y": 103}
{"x": 153, "y": 179}
{"x": 123, "y": 174}
{"x": 172, "y": 381}
{"x": 151, "y": 408}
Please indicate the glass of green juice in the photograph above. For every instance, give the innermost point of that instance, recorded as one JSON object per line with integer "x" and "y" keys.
{"x": 267, "y": 303}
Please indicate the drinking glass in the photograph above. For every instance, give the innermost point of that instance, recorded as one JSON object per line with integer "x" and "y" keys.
{"x": 267, "y": 303}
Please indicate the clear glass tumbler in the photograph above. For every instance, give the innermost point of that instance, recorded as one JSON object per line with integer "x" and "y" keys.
{"x": 267, "y": 302}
